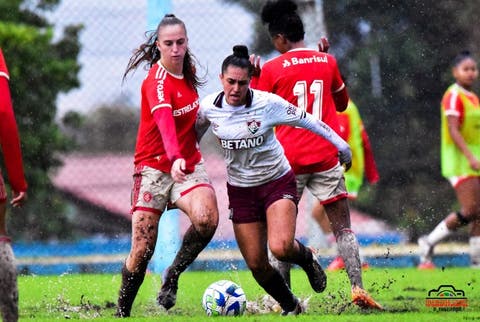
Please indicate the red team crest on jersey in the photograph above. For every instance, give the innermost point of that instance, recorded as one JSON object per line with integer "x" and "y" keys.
{"x": 147, "y": 196}
{"x": 253, "y": 126}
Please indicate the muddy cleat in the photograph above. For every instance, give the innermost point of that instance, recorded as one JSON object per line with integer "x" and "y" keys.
{"x": 427, "y": 265}
{"x": 299, "y": 309}
{"x": 425, "y": 250}
{"x": 361, "y": 298}
{"x": 167, "y": 296}
{"x": 316, "y": 275}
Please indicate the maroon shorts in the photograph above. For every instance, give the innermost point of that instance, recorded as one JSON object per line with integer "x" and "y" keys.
{"x": 250, "y": 204}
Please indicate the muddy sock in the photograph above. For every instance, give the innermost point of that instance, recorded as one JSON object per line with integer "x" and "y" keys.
{"x": 303, "y": 257}
{"x": 193, "y": 243}
{"x": 8, "y": 282}
{"x": 348, "y": 249}
{"x": 128, "y": 291}
{"x": 282, "y": 267}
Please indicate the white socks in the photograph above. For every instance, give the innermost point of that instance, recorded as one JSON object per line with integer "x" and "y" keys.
{"x": 438, "y": 233}
{"x": 475, "y": 251}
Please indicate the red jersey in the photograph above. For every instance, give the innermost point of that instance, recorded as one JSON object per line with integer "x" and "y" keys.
{"x": 306, "y": 78}
{"x": 9, "y": 139}
{"x": 161, "y": 89}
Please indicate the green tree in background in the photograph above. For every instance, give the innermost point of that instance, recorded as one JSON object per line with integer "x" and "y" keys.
{"x": 105, "y": 129}
{"x": 396, "y": 57}
{"x": 39, "y": 69}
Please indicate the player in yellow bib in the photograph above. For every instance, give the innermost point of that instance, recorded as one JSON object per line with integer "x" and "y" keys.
{"x": 460, "y": 155}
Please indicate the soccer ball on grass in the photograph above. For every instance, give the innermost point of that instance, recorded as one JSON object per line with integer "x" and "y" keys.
{"x": 224, "y": 298}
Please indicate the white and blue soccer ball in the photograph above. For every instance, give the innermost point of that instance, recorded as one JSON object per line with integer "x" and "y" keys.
{"x": 224, "y": 298}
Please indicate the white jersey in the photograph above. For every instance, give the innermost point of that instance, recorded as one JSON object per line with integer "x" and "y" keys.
{"x": 252, "y": 153}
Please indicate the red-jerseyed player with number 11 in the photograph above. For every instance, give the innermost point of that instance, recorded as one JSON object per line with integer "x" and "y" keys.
{"x": 311, "y": 80}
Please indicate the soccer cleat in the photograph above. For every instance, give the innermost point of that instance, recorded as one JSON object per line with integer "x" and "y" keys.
{"x": 299, "y": 309}
{"x": 338, "y": 264}
{"x": 425, "y": 250}
{"x": 316, "y": 275}
{"x": 426, "y": 265}
{"x": 361, "y": 298}
{"x": 167, "y": 296}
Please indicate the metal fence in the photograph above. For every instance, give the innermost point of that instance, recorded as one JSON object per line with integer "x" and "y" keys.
{"x": 111, "y": 30}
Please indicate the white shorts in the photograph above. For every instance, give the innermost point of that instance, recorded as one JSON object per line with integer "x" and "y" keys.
{"x": 327, "y": 186}
{"x": 153, "y": 189}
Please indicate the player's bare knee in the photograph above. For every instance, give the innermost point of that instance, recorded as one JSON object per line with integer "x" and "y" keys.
{"x": 281, "y": 251}
{"x": 258, "y": 268}
{"x": 206, "y": 225}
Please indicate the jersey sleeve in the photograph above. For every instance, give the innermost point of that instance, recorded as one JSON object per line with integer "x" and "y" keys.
{"x": 280, "y": 111}
{"x": 161, "y": 108}
{"x": 339, "y": 89}
{"x": 9, "y": 138}
{"x": 202, "y": 123}
{"x": 157, "y": 94}
{"x": 337, "y": 81}
{"x": 452, "y": 104}
{"x": 3, "y": 67}
{"x": 371, "y": 171}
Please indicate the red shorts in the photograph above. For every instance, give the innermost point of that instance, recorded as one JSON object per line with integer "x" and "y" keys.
{"x": 250, "y": 204}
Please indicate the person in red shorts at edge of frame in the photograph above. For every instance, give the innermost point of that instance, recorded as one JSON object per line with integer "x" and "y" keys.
{"x": 10, "y": 144}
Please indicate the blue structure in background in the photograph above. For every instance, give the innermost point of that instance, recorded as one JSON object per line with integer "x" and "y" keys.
{"x": 102, "y": 255}
{"x": 168, "y": 240}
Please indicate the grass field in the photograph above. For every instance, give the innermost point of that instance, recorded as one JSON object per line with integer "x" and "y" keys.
{"x": 401, "y": 291}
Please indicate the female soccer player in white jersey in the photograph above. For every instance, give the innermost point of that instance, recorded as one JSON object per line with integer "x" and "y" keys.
{"x": 460, "y": 158}
{"x": 311, "y": 80}
{"x": 261, "y": 184}
{"x": 168, "y": 165}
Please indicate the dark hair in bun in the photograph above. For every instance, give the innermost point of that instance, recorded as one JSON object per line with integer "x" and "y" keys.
{"x": 240, "y": 51}
{"x": 282, "y": 18}
{"x": 239, "y": 58}
{"x": 461, "y": 57}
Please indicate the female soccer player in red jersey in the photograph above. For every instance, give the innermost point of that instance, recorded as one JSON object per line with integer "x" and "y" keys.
{"x": 261, "y": 184}
{"x": 311, "y": 80}
{"x": 169, "y": 168}
{"x": 10, "y": 144}
{"x": 460, "y": 160}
